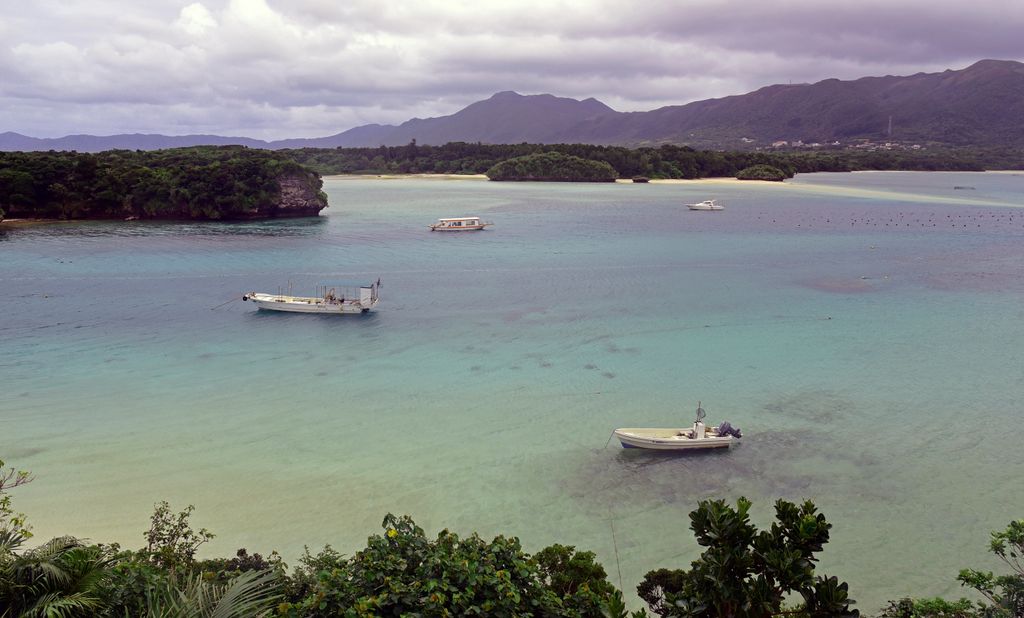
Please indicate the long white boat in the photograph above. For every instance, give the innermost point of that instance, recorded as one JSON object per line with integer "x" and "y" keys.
{"x": 336, "y": 299}
{"x": 706, "y": 205}
{"x": 459, "y": 224}
{"x": 696, "y": 437}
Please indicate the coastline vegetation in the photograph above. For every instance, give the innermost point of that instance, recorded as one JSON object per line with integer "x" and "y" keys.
{"x": 662, "y": 162}
{"x": 741, "y": 572}
{"x": 553, "y": 167}
{"x": 235, "y": 182}
{"x": 762, "y": 172}
{"x": 210, "y": 182}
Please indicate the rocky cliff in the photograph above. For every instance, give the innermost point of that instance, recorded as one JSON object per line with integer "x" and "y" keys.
{"x": 300, "y": 196}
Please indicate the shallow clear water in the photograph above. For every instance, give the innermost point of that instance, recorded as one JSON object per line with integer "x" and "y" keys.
{"x": 864, "y": 330}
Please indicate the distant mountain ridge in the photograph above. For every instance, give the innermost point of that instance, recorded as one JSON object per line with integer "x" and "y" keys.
{"x": 128, "y": 141}
{"x": 980, "y": 105}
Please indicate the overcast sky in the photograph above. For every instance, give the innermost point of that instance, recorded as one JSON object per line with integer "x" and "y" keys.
{"x": 308, "y": 68}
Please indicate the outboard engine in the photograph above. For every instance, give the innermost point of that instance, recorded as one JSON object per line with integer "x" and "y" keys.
{"x": 725, "y": 429}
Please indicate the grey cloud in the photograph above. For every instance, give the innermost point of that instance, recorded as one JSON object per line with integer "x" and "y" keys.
{"x": 272, "y": 69}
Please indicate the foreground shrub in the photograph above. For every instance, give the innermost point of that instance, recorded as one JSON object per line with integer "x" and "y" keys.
{"x": 62, "y": 577}
{"x": 748, "y": 573}
{"x": 1005, "y": 593}
{"x": 402, "y": 572}
{"x": 929, "y": 608}
{"x": 575, "y": 577}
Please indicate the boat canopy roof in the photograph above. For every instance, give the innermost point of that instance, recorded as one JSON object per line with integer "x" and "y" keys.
{"x": 460, "y": 219}
{"x": 349, "y": 284}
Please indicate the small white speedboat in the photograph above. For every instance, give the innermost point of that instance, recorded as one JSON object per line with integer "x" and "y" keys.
{"x": 696, "y": 437}
{"x": 706, "y": 205}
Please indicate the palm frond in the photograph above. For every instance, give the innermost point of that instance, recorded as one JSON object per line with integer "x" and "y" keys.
{"x": 54, "y": 548}
{"x": 10, "y": 540}
{"x": 249, "y": 594}
{"x": 56, "y": 605}
{"x": 59, "y": 578}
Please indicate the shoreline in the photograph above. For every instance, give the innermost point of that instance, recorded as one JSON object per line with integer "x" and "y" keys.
{"x": 479, "y": 177}
{"x": 30, "y": 222}
{"x": 654, "y": 181}
{"x": 404, "y": 176}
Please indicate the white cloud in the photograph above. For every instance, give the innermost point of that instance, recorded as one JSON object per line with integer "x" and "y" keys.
{"x": 195, "y": 19}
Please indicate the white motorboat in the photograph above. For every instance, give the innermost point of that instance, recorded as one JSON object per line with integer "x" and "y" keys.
{"x": 459, "y": 224}
{"x": 696, "y": 437}
{"x": 706, "y": 205}
{"x": 331, "y": 299}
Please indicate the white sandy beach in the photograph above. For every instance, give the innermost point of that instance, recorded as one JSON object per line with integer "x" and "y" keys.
{"x": 708, "y": 181}
{"x": 405, "y": 176}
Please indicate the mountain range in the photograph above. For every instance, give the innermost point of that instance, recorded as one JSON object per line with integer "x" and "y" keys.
{"x": 981, "y": 105}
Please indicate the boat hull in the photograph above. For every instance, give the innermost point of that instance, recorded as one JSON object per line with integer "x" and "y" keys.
{"x": 464, "y": 228}
{"x": 269, "y": 302}
{"x": 670, "y": 439}
{"x": 706, "y": 205}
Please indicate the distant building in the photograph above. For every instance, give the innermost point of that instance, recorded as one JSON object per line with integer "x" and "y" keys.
{"x": 780, "y": 144}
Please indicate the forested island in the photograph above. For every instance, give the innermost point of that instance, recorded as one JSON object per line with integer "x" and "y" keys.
{"x": 742, "y": 571}
{"x": 206, "y": 182}
{"x": 663, "y": 162}
{"x": 762, "y": 172}
{"x": 553, "y": 166}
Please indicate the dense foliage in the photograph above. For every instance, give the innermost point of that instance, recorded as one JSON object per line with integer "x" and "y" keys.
{"x": 662, "y": 162}
{"x": 553, "y": 166}
{"x": 402, "y": 572}
{"x": 741, "y": 573}
{"x": 762, "y": 172}
{"x": 230, "y": 182}
{"x": 748, "y": 573}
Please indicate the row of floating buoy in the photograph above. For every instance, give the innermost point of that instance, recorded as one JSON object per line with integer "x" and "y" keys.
{"x": 932, "y": 220}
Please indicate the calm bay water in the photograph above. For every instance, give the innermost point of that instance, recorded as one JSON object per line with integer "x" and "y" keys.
{"x": 864, "y": 330}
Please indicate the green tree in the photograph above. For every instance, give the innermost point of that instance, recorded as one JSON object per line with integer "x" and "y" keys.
{"x": 402, "y": 572}
{"x": 171, "y": 543}
{"x": 13, "y": 526}
{"x": 748, "y": 573}
{"x": 1005, "y": 593}
{"x": 575, "y": 577}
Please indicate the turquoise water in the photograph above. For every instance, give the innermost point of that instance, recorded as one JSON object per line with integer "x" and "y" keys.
{"x": 864, "y": 330}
